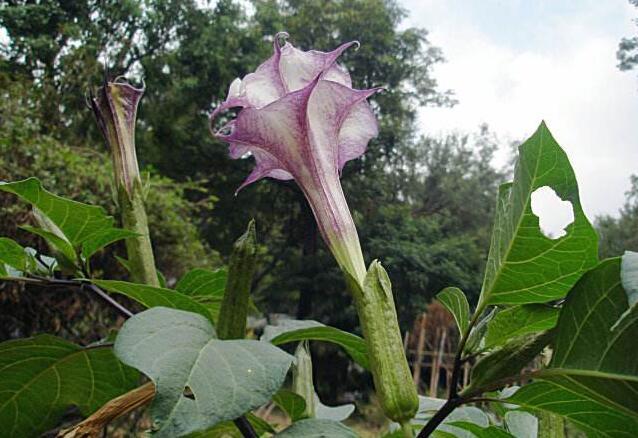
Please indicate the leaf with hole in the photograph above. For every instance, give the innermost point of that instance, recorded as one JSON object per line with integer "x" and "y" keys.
{"x": 524, "y": 266}
{"x": 41, "y": 377}
{"x": 593, "y": 376}
{"x": 200, "y": 381}
{"x": 353, "y": 345}
{"x": 519, "y": 321}
{"x": 150, "y": 296}
{"x": 454, "y": 300}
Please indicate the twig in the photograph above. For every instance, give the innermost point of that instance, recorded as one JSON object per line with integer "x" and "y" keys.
{"x": 80, "y": 284}
{"x": 245, "y": 427}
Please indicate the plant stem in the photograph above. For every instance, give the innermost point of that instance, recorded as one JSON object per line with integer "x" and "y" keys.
{"x": 440, "y": 416}
{"x": 245, "y": 427}
{"x": 138, "y": 248}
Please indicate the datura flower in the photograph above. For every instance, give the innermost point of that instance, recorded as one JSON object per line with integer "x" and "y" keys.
{"x": 301, "y": 119}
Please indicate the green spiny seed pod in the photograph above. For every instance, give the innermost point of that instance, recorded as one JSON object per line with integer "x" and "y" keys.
{"x": 234, "y": 309}
{"x": 392, "y": 378}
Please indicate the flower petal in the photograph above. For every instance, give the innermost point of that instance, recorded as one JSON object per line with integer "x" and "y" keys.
{"x": 341, "y": 122}
{"x": 299, "y": 68}
{"x": 278, "y": 130}
{"x": 357, "y": 129}
{"x": 265, "y": 166}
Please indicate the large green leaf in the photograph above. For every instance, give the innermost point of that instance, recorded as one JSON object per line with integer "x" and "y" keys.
{"x": 200, "y": 381}
{"x": 41, "y": 377}
{"x": 518, "y": 321}
{"x": 76, "y": 220}
{"x": 454, "y": 300}
{"x": 353, "y": 345}
{"x": 593, "y": 376}
{"x": 317, "y": 428}
{"x": 525, "y": 266}
{"x": 150, "y": 296}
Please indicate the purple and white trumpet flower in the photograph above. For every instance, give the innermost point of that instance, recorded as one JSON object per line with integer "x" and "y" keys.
{"x": 301, "y": 119}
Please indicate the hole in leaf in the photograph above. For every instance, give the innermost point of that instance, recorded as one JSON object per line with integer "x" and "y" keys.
{"x": 554, "y": 214}
{"x": 188, "y": 393}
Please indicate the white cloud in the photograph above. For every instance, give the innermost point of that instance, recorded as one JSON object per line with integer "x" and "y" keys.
{"x": 564, "y": 73}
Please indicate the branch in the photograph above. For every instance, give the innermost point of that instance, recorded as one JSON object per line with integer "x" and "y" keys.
{"x": 122, "y": 405}
{"x": 80, "y": 284}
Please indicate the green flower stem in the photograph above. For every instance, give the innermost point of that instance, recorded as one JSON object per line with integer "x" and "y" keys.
{"x": 139, "y": 248}
{"x": 234, "y": 308}
{"x": 388, "y": 364}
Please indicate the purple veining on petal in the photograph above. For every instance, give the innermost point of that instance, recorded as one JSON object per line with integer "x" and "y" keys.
{"x": 305, "y": 124}
{"x": 298, "y": 68}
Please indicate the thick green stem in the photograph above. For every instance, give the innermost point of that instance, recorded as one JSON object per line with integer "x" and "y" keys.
{"x": 234, "y": 309}
{"x": 389, "y": 366}
{"x": 139, "y": 248}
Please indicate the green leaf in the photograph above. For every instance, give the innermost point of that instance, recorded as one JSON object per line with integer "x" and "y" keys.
{"x": 14, "y": 255}
{"x": 150, "y": 296}
{"x": 203, "y": 282}
{"x": 454, "y": 300}
{"x": 227, "y": 429}
{"x": 317, "y": 428}
{"x": 56, "y": 242}
{"x": 482, "y": 432}
{"x": 593, "y": 376}
{"x": 291, "y": 403}
{"x": 179, "y": 352}
{"x": 353, "y": 345}
{"x": 507, "y": 361}
{"x": 76, "y": 220}
{"x": 525, "y": 266}
{"x": 41, "y": 377}
{"x": 102, "y": 239}
{"x": 519, "y": 321}
{"x": 206, "y": 287}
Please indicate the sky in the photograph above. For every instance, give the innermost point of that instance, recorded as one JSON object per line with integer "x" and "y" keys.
{"x": 513, "y": 63}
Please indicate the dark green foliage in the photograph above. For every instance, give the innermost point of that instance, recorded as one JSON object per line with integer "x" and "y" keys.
{"x": 619, "y": 234}
{"x": 627, "y": 53}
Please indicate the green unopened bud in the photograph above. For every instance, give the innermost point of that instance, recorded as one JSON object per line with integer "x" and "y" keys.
{"x": 234, "y": 309}
{"x": 392, "y": 378}
{"x": 115, "y": 108}
{"x": 302, "y": 378}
